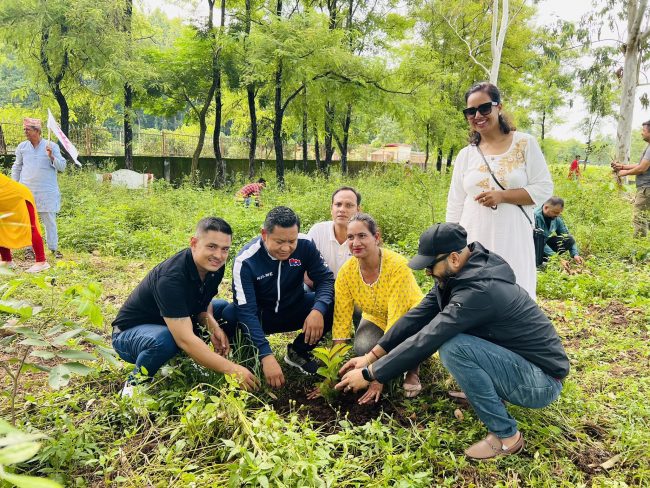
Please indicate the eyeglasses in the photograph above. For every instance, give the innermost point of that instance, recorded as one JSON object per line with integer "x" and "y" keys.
{"x": 483, "y": 109}
{"x": 442, "y": 257}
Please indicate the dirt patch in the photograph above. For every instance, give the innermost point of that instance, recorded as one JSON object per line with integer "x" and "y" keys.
{"x": 589, "y": 459}
{"x": 345, "y": 406}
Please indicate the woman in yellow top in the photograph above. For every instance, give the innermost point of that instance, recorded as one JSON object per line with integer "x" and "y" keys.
{"x": 381, "y": 284}
{"x": 19, "y": 224}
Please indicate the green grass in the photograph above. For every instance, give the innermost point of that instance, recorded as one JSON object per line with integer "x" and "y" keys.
{"x": 193, "y": 429}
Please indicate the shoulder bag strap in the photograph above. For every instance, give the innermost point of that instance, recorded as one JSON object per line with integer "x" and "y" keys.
{"x": 500, "y": 185}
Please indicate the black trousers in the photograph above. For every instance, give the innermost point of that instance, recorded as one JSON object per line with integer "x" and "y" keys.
{"x": 560, "y": 244}
{"x": 286, "y": 321}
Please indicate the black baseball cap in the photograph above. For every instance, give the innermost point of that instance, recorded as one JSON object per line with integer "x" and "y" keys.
{"x": 438, "y": 239}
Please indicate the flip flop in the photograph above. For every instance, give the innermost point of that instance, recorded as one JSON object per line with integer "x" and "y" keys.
{"x": 411, "y": 390}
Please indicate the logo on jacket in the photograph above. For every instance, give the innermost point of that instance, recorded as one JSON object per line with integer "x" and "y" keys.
{"x": 264, "y": 276}
{"x": 294, "y": 262}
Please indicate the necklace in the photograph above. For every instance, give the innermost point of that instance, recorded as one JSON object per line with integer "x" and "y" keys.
{"x": 371, "y": 285}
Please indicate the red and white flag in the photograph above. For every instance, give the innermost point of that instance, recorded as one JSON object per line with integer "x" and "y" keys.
{"x": 54, "y": 127}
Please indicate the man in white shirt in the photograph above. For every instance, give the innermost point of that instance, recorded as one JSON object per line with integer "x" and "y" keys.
{"x": 36, "y": 166}
{"x": 331, "y": 236}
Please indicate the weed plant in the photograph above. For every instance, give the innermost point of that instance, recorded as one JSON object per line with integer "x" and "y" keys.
{"x": 192, "y": 427}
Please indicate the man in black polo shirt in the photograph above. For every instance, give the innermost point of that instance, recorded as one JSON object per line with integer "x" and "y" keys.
{"x": 158, "y": 318}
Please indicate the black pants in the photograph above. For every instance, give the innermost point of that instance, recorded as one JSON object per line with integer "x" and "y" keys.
{"x": 286, "y": 321}
{"x": 560, "y": 244}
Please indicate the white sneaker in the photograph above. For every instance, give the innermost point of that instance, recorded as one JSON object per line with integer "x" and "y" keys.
{"x": 38, "y": 267}
{"x": 127, "y": 390}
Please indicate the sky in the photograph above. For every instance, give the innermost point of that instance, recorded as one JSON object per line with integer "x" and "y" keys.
{"x": 548, "y": 12}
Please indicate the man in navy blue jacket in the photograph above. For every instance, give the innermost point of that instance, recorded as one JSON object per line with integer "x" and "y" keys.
{"x": 269, "y": 296}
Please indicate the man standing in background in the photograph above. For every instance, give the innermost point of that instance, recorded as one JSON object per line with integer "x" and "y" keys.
{"x": 574, "y": 169}
{"x": 36, "y": 166}
{"x": 641, "y": 219}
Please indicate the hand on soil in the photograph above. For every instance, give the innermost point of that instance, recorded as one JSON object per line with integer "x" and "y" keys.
{"x": 353, "y": 380}
{"x": 272, "y": 371}
{"x": 359, "y": 362}
{"x": 373, "y": 394}
{"x": 315, "y": 393}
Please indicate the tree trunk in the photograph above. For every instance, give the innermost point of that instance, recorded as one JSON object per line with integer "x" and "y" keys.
{"x": 450, "y": 156}
{"x": 332, "y": 8}
{"x": 543, "y": 124}
{"x": 279, "y": 113}
{"x": 202, "y": 114}
{"x": 633, "y": 58}
{"x": 317, "y": 149}
{"x": 305, "y": 134}
{"x": 220, "y": 163}
{"x": 346, "y": 138}
{"x": 439, "y": 160}
{"x": 329, "y": 141}
{"x": 498, "y": 40}
{"x": 427, "y": 146}
{"x": 203, "y": 128}
{"x": 3, "y": 144}
{"x": 63, "y": 106}
{"x": 54, "y": 79}
{"x": 128, "y": 128}
{"x": 277, "y": 125}
{"x": 128, "y": 93}
{"x": 250, "y": 91}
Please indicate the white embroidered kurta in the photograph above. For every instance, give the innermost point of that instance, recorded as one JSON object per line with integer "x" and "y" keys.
{"x": 505, "y": 230}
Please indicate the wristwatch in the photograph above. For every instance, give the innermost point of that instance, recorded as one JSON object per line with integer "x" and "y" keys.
{"x": 367, "y": 375}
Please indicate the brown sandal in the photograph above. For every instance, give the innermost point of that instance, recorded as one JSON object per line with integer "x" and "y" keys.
{"x": 492, "y": 447}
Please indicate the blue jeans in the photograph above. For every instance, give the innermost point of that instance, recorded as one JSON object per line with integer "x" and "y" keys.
{"x": 149, "y": 346}
{"x": 488, "y": 373}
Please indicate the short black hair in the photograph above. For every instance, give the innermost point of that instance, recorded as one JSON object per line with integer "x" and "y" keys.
{"x": 262, "y": 180}
{"x": 554, "y": 202}
{"x": 348, "y": 188}
{"x": 282, "y": 216}
{"x": 216, "y": 224}
{"x": 646, "y": 123}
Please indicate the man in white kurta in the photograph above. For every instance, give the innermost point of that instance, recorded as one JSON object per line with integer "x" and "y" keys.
{"x": 36, "y": 166}
{"x": 504, "y": 230}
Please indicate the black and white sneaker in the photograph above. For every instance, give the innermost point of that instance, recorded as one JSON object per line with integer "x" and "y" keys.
{"x": 304, "y": 362}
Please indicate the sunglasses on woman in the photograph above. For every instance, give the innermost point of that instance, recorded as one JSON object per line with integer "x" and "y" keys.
{"x": 483, "y": 109}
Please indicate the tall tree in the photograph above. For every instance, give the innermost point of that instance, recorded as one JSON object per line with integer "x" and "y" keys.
{"x": 61, "y": 41}
{"x": 128, "y": 90}
{"x": 618, "y": 29}
{"x": 220, "y": 163}
{"x": 636, "y": 47}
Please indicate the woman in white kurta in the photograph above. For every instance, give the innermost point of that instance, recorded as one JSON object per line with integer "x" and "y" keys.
{"x": 488, "y": 213}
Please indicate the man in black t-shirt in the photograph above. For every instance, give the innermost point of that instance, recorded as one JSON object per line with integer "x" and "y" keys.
{"x": 158, "y": 318}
